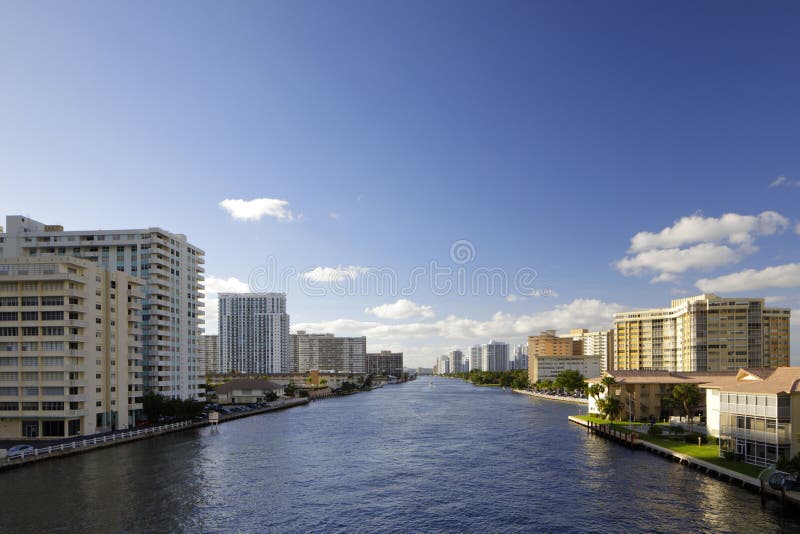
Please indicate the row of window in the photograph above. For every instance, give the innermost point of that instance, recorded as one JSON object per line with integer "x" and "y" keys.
{"x": 32, "y": 406}
{"x": 31, "y": 316}
{"x": 34, "y": 391}
{"x": 13, "y": 331}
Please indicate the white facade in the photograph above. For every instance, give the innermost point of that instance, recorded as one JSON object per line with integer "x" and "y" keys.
{"x": 476, "y": 358}
{"x": 494, "y": 356}
{"x": 254, "y": 333}
{"x": 208, "y": 362}
{"x": 456, "y": 358}
{"x": 172, "y": 269}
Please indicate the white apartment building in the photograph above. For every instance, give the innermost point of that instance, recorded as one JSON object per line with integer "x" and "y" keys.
{"x": 70, "y": 348}
{"x": 327, "y": 353}
{"x": 172, "y": 270}
{"x": 456, "y": 358}
{"x": 475, "y": 357}
{"x": 494, "y": 356}
{"x": 254, "y": 333}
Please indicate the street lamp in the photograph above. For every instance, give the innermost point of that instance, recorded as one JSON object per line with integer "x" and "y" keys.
{"x": 630, "y": 410}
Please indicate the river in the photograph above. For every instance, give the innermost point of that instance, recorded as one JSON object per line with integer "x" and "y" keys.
{"x": 434, "y": 455}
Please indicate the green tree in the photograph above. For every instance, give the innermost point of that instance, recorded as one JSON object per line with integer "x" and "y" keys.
{"x": 687, "y": 396}
{"x": 570, "y": 379}
{"x": 610, "y": 407}
{"x": 152, "y": 406}
{"x": 290, "y": 389}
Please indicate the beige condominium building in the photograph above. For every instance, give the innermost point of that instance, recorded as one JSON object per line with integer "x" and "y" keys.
{"x": 702, "y": 333}
{"x": 172, "y": 271}
{"x": 70, "y": 348}
{"x": 208, "y": 361}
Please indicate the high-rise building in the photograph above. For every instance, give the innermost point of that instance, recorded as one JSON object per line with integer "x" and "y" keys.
{"x": 209, "y": 354}
{"x": 172, "y": 270}
{"x": 456, "y": 361}
{"x": 494, "y": 356}
{"x": 702, "y": 333}
{"x": 253, "y": 333}
{"x": 443, "y": 364}
{"x": 599, "y": 343}
{"x": 70, "y": 348}
{"x": 476, "y": 358}
{"x": 326, "y": 352}
{"x": 520, "y": 360}
{"x": 548, "y": 343}
{"x": 385, "y": 363}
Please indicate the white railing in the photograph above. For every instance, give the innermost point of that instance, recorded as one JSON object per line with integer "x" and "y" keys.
{"x": 89, "y": 442}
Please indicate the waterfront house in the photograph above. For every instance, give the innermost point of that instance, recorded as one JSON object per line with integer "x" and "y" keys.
{"x": 247, "y": 391}
{"x": 756, "y": 414}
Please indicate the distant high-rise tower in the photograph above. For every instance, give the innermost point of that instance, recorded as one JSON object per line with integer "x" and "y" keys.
{"x": 456, "y": 358}
{"x": 495, "y": 356}
{"x": 209, "y": 354}
{"x": 476, "y": 358}
{"x": 254, "y": 333}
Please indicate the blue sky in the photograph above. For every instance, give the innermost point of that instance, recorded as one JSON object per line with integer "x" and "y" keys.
{"x": 545, "y": 134}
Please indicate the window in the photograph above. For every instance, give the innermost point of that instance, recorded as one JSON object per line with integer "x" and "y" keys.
{"x": 52, "y": 428}
{"x": 8, "y": 301}
{"x": 51, "y": 361}
{"x": 8, "y": 377}
{"x": 30, "y": 301}
{"x": 53, "y": 301}
{"x": 52, "y": 391}
{"x": 53, "y": 406}
{"x": 30, "y": 316}
{"x": 9, "y": 406}
{"x": 8, "y": 392}
{"x": 9, "y": 331}
{"x": 52, "y": 376}
{"x": 8, "y": 316}
{"x": 30, "y": 391}
{"x": 30, "y": 330}
{"x": 52, "y": 346}
{"x": 30, "y": 361}
{"x": 8, "y": 362}
{"x": 53, "y": 316}
{"x": 8, "y": 347}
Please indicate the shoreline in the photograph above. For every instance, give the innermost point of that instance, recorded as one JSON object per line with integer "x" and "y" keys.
{"x": 571, "y": 400}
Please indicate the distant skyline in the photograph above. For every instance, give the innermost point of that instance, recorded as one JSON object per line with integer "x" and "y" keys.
{"x": 594, "y": 157}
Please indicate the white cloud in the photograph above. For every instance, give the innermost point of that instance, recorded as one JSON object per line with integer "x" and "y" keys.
{"x": 664, "y": 277}
{"x": 211, "y": 309}
{"x": 533, "y": 294}
{"x": 698, "y": 243}
{"x": 779, "y": 276}
{"x": 334, "y": 274}
{"x": 731, "y": 227}
{"x": 513, "y": 298}
{"x": 704, "y": 256}
{"x": 257, "y": 208}
{"x": 785, "y": 182}
{"x": 402, "y": 309}
{"x": 225, "y": 285}
{"x": 797, "y": 228}
{"x": 333, "y": 215}
{"x": 580, "y": 313}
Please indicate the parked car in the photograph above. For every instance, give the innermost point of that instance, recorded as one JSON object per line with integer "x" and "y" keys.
{"x": 19, "y": 450}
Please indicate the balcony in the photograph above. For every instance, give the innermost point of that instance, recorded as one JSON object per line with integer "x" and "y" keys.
{"x": 780, "y": 436}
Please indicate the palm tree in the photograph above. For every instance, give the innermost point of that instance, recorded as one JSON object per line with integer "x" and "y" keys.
{"x": 687, "y": 396}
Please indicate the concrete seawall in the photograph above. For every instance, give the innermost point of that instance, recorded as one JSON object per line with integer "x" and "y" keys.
{"x": 559, "y": 398}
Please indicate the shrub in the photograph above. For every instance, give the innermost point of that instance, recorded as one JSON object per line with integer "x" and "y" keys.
{"x": 692, "y": 438}
{"x": 655, "y": 430}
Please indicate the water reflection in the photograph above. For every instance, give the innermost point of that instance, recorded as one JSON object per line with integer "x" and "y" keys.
{"x": 403, "y": 458}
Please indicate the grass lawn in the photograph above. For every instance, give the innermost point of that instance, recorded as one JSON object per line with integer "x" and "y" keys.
{"x": 707, "y": 452}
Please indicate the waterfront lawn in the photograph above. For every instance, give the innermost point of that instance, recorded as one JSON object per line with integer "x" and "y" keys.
{"x": 707, "y": 452}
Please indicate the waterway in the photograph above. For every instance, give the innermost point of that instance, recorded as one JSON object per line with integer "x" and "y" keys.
{"x": 434, "y": 455}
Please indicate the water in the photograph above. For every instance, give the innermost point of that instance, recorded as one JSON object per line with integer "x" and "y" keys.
{"x": 405, "y": 458}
